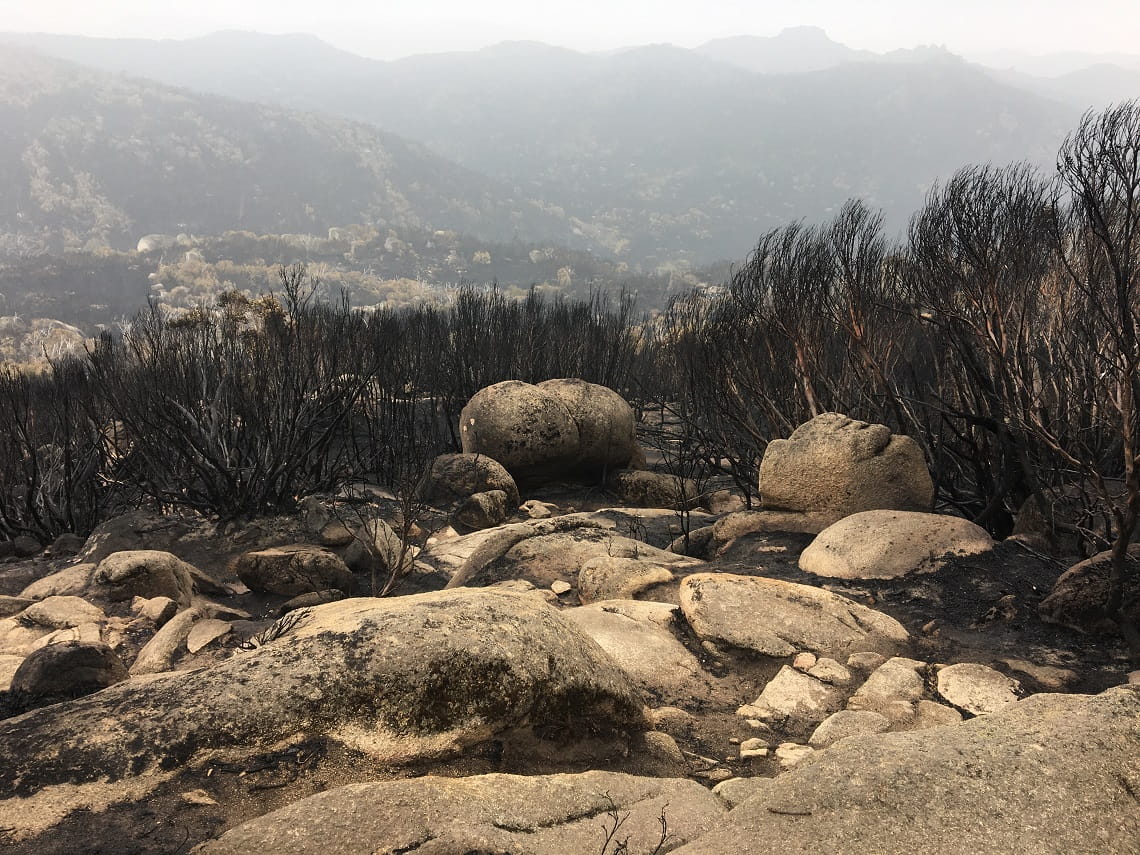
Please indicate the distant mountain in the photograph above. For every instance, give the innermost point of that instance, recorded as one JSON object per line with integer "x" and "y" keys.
{"x": 653, "y": 154}
{"x": 87, "y": 156}
{"x": 796, "y": 49}
{"x": 1087, "y": 88}
{"x": 1053, "y": 64}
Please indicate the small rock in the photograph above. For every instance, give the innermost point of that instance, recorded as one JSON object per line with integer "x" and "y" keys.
{"x": 791, "y": 754}
{"x": 536, "y": 510}
{"x": 794, "y": 701}
{"x": 204, "y": 632}
{"x": 1134, "y": 678}
{"x": 661, "y": 751}
{"x": 482, "y": 510}
{"x": 724, "y": 607}
{"x": 292, "y": 570}
{"x": 887, "y": 544}
{"x": 723, "y": 502}
{"x": 144, "y": 573}
{"x": 845, "y": 723}
{"x": 89, "y": 633}
{"x": 64, "y": 545}
{"x": 560, "y": 587}
{"x": 930, "y": 714}
{"x": 335, "y": 533}
{"x": 830, "y": 671}
{"x": 204, "y": 583}
{"x": 892, "y": 689}
{"x": 198, "y": 798}
{"x": 736, "y": 790}
{"x": 606, "y": 578}
{"x": 717, "y": 775}
{"x": 865, "y": 661}
{"x": 672, "y": 720}
{"x": 9, "y": 664}
{"x": 804, "y": 661}
{"x": 457, "y": 476}
{"x": 696, "y": 545}
{"x": 314, "y": 598}
{"x": 976, "y": 688}
{"x": 219, "y": 611}
{"x": 753, "y": 748}
{"x": 1045, "y": 677}
{"x": 68, "y": 582}
{"x": 157, "y": 609}
{"x": 17, "y": 638}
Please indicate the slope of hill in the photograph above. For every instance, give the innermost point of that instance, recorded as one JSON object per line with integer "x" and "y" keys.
{"x": 651, "y": 154}
{"x": 1087, "y": 88}
{"x": 88, "y": 156}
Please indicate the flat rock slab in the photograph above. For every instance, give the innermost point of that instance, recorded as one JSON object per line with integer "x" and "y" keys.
{"x": 482, "y": 814}
{"x": 61, "y": 612}
{"x": 607, "y": 578}
{"x": 639, "y": 637}
{"x": 890, "y": 544}
{"x": 777, "y": 618}
{"x": 976, "y": 688}
{"x": 1050, "y": 774}
{"x": 400, "y": 679}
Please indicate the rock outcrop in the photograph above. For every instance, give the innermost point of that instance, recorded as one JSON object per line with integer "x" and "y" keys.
{"x": 400, "y": 679}
{"x": 833, "y": 466}
{"x": 978, "y": 787}
{"x": 480, "y": 815}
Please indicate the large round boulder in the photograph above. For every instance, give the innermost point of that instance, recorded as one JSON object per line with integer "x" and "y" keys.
{"x": 144, "y": 573}
{"x": 522, "y": 427}
{"x": 833, "y": 466}
{"x": 549, "y": 429}
{"x": 889, "y": 544}
{"x": 606, "y": 432}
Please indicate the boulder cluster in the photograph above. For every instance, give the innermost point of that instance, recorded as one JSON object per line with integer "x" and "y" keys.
{"x": 551, "y": 677}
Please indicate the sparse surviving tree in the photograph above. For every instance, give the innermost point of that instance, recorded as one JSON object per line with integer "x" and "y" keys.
{"x": 1092, "y": 374}
{"x": 238, "y": 411}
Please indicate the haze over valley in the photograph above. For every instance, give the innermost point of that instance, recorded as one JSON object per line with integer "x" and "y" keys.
{"x": 652, "y": 168}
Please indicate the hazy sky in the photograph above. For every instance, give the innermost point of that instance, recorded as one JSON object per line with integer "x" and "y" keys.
{"x": 393, "y": 28}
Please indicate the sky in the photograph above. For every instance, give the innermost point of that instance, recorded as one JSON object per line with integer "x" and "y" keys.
{"x": 388, "y": 29}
